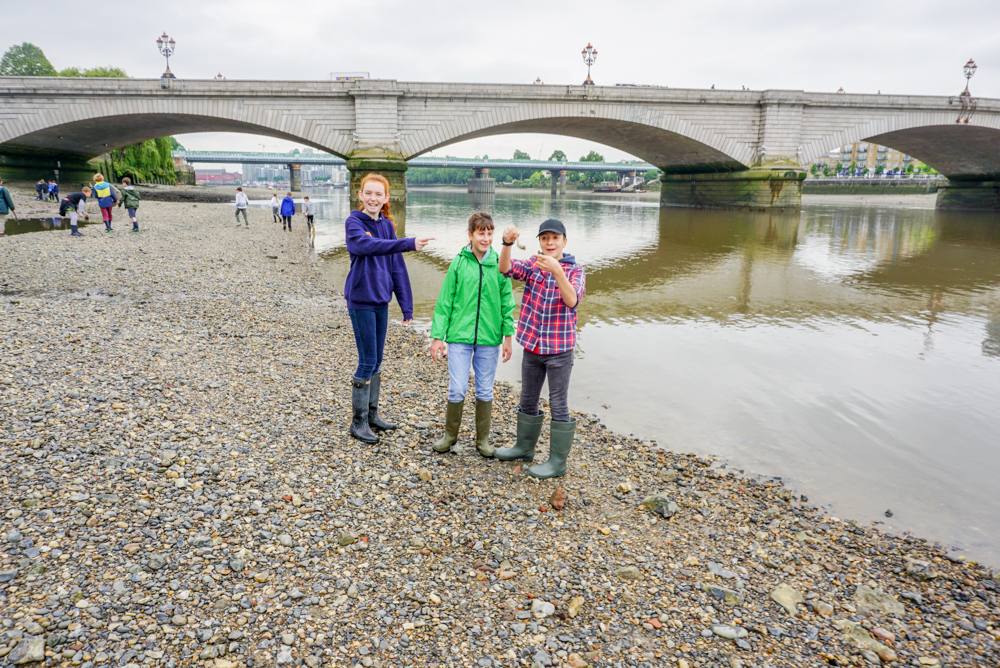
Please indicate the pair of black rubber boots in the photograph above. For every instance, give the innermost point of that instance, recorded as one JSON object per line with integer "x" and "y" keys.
{"x": 364, "y": 402}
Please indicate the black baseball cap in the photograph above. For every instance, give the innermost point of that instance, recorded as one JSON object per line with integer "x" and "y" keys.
{"x": 552, "y": 225}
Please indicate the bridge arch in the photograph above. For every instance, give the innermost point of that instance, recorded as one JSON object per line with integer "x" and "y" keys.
{"x": 89, "y": 127}
{"x": 957, "y": 150}
{"x": 670, "y": 141}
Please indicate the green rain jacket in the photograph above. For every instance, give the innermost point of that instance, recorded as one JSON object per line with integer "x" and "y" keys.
{"x": 475, "y": 305}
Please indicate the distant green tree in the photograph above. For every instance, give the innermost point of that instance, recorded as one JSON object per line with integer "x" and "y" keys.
{"x": 814, "y": 169}
{"x": 591, "y": 178}
{"x": 175, "y": 145}
{"x": 558, "y": 156}
{"x": 879, "y": 169}
{"x": 26, "y": 60}
{"x": 909, "y": 168}
{"x": 100, "y": 72}
{"x": 521, "y": 155}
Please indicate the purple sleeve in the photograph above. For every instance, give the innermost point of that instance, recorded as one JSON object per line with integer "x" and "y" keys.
{"x": 520, "y": 270}
{"x": 401, "y": 286}
{"x": 359, "y": 242}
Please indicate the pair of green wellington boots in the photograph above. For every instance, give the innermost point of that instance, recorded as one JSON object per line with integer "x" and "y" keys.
{"x": 453, "y": 420}
{"x": 529, "y": 427}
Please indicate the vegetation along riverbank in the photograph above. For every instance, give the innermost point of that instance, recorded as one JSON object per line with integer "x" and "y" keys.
{"x": 178, "y": 489}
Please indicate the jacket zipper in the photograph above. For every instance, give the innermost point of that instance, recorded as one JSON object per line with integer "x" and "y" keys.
{"x": 479, "y": 303}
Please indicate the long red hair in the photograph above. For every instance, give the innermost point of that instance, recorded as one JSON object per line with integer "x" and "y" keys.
{"x": 385, "y": 184}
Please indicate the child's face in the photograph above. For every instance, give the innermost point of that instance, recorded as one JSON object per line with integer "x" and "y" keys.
{"x": 551, "y": 244}
{"x": 481, "y": 239}
{"x": 373, "y": 197}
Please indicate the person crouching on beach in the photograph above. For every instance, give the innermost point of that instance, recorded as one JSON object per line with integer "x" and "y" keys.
{"x": 554, "y": 284}
{"x": 106, "y": 199}
{"x": 474, "y": 315}
{"x": 72, "y": 206}
{"x": 377, "y": 271}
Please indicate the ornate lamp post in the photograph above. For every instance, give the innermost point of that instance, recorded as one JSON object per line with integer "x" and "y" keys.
{"x": 166, "y": 46}
{"x": 589, "y": 56}
{"x": 969, "y": 69}
{"x": 967, "y": 101}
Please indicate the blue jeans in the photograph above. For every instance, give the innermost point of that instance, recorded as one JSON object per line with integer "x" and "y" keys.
{"x": 369, "y": 336}
{"x": 483, "y": 359}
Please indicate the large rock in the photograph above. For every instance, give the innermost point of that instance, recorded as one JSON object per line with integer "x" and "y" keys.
{"x": 856, "y": 634}
{"x": 727, "y": 596}
{"x": 876, "y": 600}
{"x": 629, "y": 573}
{"x": 541, "y": 609}
{"x": 574, "y": 606}
{"x": 921, "y": 570}
{"x": 28, "y": 650}
{"x": 787, "y": 598}
{"x": 660, "y": 504}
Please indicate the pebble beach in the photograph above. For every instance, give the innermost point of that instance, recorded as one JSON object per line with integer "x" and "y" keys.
{"x": 178, "y": 489}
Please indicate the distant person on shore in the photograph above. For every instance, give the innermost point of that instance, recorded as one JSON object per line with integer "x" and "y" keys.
{"x": 72, "y": 206}
{"x": 241, "y": 206}
{"x": 377, "y": 271}
{"x": 553, "y": 287}
{"x": 40, "y": 190}
{"x": 307, "y": 211}
{"x": 275, "y": 208}
{"x": 287, "y": 211}
{"x": 106, "y": 199}
{"x": 54, "y": 191}
{"x": 474, "y": 315}
{"x": 6, "y": 204}
{"x": 130, "y": 200}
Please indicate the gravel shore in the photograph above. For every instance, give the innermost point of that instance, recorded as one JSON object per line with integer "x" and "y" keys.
{"x": 178, "y": 489}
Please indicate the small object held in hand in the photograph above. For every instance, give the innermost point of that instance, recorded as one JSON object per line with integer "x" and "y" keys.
{"x": 520, "y": 244}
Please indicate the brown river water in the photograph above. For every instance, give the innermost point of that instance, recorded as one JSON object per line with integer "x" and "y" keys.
{"x": 852, "y": 349}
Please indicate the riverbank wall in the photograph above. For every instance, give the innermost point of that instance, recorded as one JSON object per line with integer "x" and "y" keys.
{"x": 867, "y": 187}
{"x": 176, "y": 467}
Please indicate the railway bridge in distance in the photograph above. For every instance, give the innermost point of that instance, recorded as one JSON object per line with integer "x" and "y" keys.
{"x": 715, "y": 148}
{"x": 480, "y": 166}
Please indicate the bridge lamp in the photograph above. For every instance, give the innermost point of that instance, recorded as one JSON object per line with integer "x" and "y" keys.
{"x": 589, "y": 56}
{"x": 969, "y": 69}
{"x": 166, "y": 45}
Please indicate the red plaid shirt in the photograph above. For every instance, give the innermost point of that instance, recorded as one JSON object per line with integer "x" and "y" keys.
{"x": 546, "y": 325}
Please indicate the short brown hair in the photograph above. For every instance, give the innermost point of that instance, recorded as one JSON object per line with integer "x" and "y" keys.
{"x": 480, "y": 220}
{"x": 127, "y": 181}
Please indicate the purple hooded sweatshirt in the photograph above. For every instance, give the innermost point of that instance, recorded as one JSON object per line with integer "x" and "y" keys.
{"x": 377, "y": 267}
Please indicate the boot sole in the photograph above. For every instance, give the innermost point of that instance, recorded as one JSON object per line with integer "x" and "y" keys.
{"x": 364, "y": 440}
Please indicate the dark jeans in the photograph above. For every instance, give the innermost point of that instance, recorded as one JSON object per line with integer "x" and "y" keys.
{"x": 286, "y": 220}
{"x": 369, "y": 336}
{"x": 534, "y": 369}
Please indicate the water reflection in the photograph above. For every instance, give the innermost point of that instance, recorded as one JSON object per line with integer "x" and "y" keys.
{"x": 26, "y": 225}
{"x": 855, "y": 350}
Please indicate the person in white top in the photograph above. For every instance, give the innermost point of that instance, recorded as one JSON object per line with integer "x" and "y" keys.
{"x": 241, "y": 206}
{"x": 276, "y": 208}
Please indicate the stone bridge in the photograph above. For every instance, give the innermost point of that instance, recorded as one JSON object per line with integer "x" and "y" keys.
{"x": 743, "y": 149}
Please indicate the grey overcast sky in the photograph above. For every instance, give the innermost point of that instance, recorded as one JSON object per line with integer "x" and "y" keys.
{"x": 912, "y": 46}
